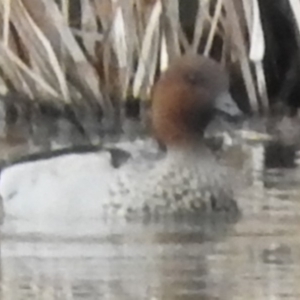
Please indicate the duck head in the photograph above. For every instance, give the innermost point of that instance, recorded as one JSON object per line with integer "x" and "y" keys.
{"x": 186, "y": 98}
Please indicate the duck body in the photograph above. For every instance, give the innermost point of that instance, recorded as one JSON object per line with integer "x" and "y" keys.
{"x": 182, "y": 182}
{"x": 186, "y": 177}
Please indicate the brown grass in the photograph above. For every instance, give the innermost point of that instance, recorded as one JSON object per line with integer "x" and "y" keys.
{"x": 96, "y": 51}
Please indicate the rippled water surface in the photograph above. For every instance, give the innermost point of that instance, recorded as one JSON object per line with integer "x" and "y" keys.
{"x": 255, "y": 257}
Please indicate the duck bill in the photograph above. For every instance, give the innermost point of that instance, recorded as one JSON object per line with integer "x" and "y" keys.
{"x": 224, "y": 104}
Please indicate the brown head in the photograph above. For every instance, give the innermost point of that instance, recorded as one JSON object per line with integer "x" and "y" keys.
{"x": 186, "y": 97}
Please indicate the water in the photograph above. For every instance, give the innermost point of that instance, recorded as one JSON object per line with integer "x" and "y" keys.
{"x": 255, "y": 257}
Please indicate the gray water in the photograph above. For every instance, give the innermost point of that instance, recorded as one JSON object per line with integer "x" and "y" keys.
{"x": 254, "y": 257}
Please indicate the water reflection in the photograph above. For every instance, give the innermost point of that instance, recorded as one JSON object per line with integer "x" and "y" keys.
{"x": 254, "y": 257}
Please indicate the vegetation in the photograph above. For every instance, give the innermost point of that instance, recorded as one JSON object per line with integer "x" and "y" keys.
{"x": 97, "y": 53}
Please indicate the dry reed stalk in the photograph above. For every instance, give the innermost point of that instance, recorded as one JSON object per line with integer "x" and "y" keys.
{"x": 148, "y": 55}
{"x": 257, "y": 52}
{"x": 119, "y": 36}
{"x": 213, "y": 27}
{"x": 32, "y": 76}
{"x": 199, "y": 26}
{"x": 170, "y": 17}
{"x": 6, "y": 14}
{"x": 239, "y": 42}
{"x": 42, "y": 57}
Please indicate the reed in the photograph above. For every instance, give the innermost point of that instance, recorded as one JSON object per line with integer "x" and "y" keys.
{"x": 102, "y": 52}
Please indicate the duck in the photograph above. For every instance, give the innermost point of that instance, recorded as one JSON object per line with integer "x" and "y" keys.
{"x": 185, "y": 99}
{"x": 186, "y": 177}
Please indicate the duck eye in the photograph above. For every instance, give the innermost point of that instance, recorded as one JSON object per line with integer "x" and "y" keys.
{"x": 194, "y": 79}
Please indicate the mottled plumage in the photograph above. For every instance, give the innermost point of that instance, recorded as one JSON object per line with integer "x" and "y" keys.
{"x": 181, "y": 182}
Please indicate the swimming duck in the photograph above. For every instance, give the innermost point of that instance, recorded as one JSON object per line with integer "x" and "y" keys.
{"x": 187, "y": 177}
